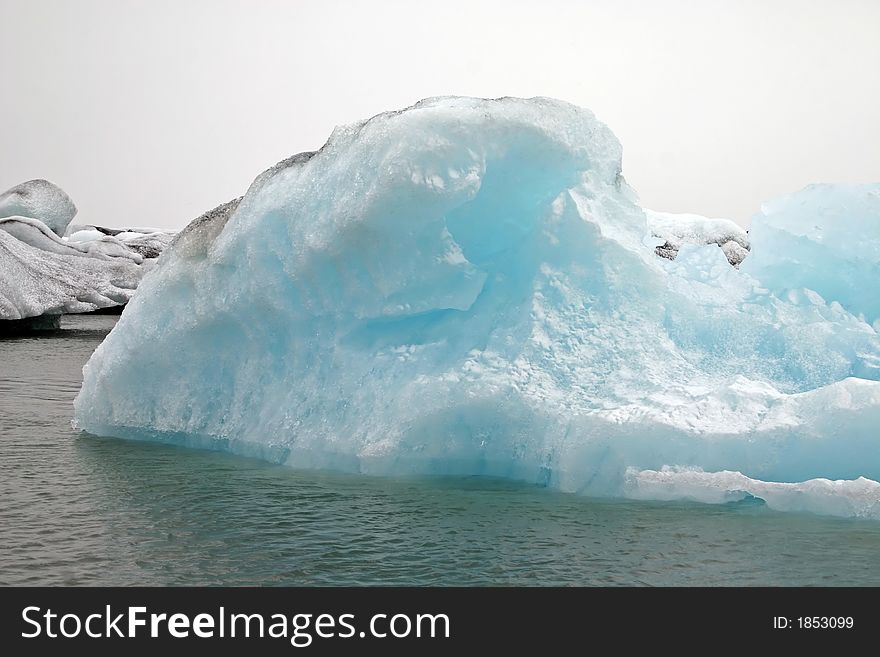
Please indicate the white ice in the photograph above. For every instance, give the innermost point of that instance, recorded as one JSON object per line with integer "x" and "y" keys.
{"x": 857, "y": 498}
{"x": 44, "y": 274}
{"x": 675, "y": 230}
{"x": 39, "y": 199}
{"x": 34, "y": 281}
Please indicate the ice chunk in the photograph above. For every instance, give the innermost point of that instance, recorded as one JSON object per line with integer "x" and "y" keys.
{"x": 37, "y": 234}
{"x": 147, "y": 245}
{"x": 468, "y": 286}
{"x": 144, "y": 242}
{"x": 859, "y": 498}
{"x": 85, "y": 235}
{"x": 675, "y": 230}
{"x": 39, "y": 199}
{"x": 825, "y": 238}
{"x": 34, "y": 281}
{"x": 42, "y": 273}
{"x": 734, "y": 252}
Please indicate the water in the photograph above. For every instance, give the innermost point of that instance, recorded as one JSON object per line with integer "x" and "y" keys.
{"x": 81, "y": 510}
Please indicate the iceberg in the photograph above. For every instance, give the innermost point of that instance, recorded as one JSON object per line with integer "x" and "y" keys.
{"x": 39, "y": 199}
{"x": 824, "y": 238}
{"x": 44, "y": 275}
{"x": 144, "y": 242}
{"x": 469, "y": 286}
{"x": 35, "y": 282}
{"x": 35, "y": 233}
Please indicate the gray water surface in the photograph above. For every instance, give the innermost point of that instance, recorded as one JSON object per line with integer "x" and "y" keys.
{"x": 80, "y": 510}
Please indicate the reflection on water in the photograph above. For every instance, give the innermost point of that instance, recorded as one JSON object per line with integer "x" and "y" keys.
{"x": 77, "y": 509}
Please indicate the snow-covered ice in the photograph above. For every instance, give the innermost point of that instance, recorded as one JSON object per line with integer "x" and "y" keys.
{"x": 675, "y": 230}
{"x": 469, "y": 287}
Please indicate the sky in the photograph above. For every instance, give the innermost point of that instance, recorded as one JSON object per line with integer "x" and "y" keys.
{"x": 149, "y": 113}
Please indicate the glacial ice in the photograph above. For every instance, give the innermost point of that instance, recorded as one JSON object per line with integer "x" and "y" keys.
{"x": 35, "y": 282}
{"x": 858, "y": 498}
{"x": 85, "y": 235}
{"x": 468, "y": 286}
{"x": 44, "y": 274}
{"x": 825, "y": 238}
{"x": 675, "y": 230}
{"x": 36, "y": 234}
{"x": 147, "y": 245}
{"x": 39, "y": 199}
{"x": 146, "y": 242}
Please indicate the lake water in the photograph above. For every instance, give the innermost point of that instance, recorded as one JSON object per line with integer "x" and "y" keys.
{"x": 81, "y": 510}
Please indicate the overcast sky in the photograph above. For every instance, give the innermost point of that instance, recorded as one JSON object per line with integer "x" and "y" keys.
{"x": 151, "y": 112}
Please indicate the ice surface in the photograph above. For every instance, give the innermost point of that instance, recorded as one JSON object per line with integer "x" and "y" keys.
{"x": 142, "y": 242}
{"x": 85, "y": 235}
{"x": 36, "y": 281}
{"x": 36, "y": 234}
{"x": 39, "y": 199}
{"x": 859, "y": 498}
{"x": 468, "y": 286}
{"x": 675, "y": 230}
{"x": 147, "y": 245}
{"x": 825, "y": 238}
{"x": 91, "y": 268}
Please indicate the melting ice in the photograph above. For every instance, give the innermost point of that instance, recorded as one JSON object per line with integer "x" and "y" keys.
{"x": 469, "y": 287}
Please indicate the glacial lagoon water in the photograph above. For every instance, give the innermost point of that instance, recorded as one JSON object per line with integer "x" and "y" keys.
{"x": 76, "y": 509}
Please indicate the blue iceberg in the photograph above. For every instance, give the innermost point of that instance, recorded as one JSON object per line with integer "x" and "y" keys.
{"x": 825, "y": 238}
{"x": 469, "y": 286}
